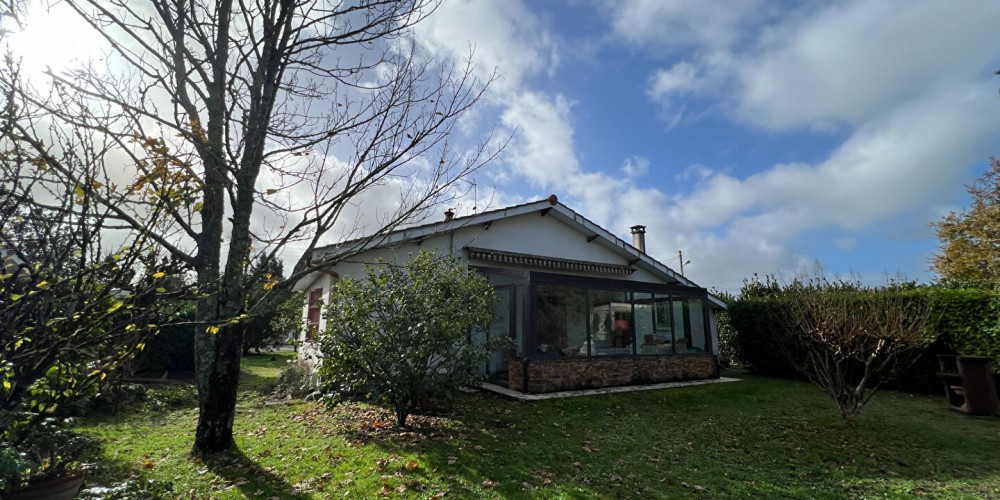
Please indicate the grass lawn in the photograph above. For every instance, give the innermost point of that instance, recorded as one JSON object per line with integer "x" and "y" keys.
{"x": 760, "y": 437}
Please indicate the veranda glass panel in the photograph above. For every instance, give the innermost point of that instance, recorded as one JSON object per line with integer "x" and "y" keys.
{"x": 610, "y": 323}
{"x": 652, "y": 324}
{"x": 562, "y": 321}
{"x": 520, "y": 292}
{"x": 500, "y": 328}
{"x": 697, "y": 322}
{"x": 681, "y": 321}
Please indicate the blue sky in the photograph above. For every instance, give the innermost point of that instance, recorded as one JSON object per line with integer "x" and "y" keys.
{"x": 754, "y": 136}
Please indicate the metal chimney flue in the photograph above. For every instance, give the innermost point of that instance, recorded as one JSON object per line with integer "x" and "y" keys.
{"x": 639, "y": 237}
{"x": 449, "y": 214}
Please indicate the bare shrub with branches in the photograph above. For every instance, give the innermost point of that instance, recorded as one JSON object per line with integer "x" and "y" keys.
{"x": 848, "y": 339}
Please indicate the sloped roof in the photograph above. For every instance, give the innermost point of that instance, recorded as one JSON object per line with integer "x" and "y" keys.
{"x": 551, "y": 207}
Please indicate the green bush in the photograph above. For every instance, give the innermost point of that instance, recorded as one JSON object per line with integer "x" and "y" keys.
{"x": 755, "y": 323}
{"x": 970, "y": 322}
{"x": 965, "y": 322}
{"x": 404, "y": 333}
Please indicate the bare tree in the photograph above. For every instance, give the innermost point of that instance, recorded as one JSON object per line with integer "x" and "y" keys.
{"x": 848, "y": 340}
{"x": 260, "y": 124}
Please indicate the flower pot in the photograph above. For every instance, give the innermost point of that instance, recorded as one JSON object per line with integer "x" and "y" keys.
{"x": 56, "y": 488}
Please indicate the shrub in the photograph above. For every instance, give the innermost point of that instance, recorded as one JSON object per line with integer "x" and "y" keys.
{"x": 295, "y": 379}
{"x": 853, "y": 340}
{"x": 404, "y": 332}
{"x": 965, "y": 321}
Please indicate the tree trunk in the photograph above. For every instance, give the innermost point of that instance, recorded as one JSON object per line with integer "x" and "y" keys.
{"x": 218, "y": 382}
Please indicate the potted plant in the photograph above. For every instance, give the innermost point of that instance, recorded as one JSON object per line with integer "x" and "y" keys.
{"x": 40, "y": 458}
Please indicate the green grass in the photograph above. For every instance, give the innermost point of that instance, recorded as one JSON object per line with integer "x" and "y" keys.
{"x": 761, "y": 437}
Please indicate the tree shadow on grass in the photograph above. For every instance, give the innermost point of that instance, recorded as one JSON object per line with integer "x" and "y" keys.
{"x": 471, "y": 450}
{"x": 243, "y": 472}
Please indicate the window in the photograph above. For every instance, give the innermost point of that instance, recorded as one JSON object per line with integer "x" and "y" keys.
{"x": 313, "y": 316}
{"x": 583, "y": 316}
{"x": 653, "y": 332}
{"x": 562, "y": 321}
{"x": 689, "y": 324}
{"x": 610, "y": 322}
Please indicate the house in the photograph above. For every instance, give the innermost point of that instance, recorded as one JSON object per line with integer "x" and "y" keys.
{"x": 11, "y": 262}
{"x": 585, "y": 308}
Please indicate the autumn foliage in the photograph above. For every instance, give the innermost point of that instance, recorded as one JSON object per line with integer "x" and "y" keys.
{"x": 970, "y": 239}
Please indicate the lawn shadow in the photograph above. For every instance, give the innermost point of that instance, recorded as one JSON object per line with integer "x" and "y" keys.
{"x": 474, "y": 450}
{"x": 243, "y": 472}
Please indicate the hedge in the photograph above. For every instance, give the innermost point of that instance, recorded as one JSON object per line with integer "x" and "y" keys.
{"x": 965, "y": 320}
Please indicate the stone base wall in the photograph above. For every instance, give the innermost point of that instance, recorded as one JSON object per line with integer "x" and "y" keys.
{"x": 550, "y": 375}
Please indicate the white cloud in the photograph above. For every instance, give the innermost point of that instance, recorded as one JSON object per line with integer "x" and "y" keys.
{"x": 543, "y": 151}
{"x": 818, "y": 66}
{"x": 635, "y": 167}
{"x": 889, "y": 166}
{"x": 503, "y": 34}
{"x": 850, "y": 63}
{"x": 680, "y": 24}
{"x": 680, "y": 79}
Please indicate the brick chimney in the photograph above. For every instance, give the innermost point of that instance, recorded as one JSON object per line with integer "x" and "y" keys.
{"x": 639, "y": 237}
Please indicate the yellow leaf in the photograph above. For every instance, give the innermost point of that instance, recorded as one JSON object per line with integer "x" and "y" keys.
{"x": 158, "y": 275}
{"x": 161, "y": 290}
{"x": 43, "y": 285}
{"x": 212, "y": 329}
